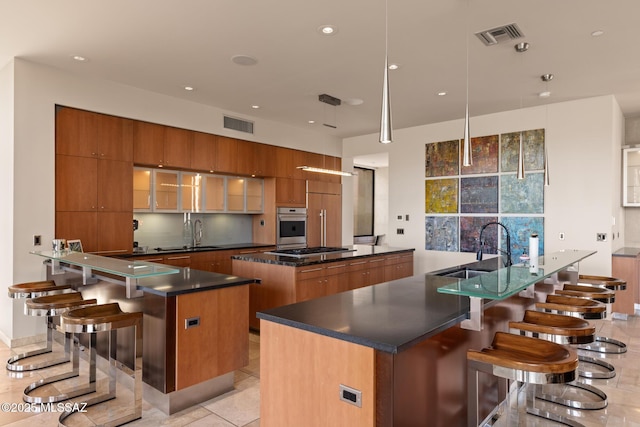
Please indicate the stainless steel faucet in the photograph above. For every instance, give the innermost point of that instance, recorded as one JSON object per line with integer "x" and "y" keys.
{"x": 197, "y": 232}
{"x": 508, "y": 262}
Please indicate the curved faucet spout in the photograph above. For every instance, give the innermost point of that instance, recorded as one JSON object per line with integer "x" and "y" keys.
{"x": 506, "y": 252}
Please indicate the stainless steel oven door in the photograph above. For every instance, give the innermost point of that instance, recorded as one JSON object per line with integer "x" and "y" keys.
{"x": 291, "y": 228}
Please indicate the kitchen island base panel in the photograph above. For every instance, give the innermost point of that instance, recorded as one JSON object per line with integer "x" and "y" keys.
{"x": 301, "y": 378}
{"x": 176, "y": 401}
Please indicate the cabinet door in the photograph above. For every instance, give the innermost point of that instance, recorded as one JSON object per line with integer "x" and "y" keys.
{"x": 256, "y": 159}
{"x": 142, "y": 189}
{"x": 255, "y": 197}
{"x": 76, "y": 132}
{"x": 165, "y": 190}
{"x": 115, "y": 232}
{"x": 114, "y": 136}
{"x": 214, "y": 193}
{"x": 79, "y": 225}
{"x": 324, "y": 219}
{"x": 177, "y": 147}
{"x": 191, "y": 192}
{"x": 178, "y": 260}
{"x": 226, "y": 154}
{"x": 115, "y": 192}
{"x": 333, "y": 212}
{"x": 311, "y": 288}
{"x": 235, "y": 194}
{"x": 76, "y": 183}
{"x": 291, "y": 192}
{"x": 203, "y": 152}
{"x": 148, "y": 143}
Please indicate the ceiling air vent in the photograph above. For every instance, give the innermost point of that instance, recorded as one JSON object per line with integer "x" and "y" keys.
{"x": 495, "y": 35}
{"x": 237, "y": 124}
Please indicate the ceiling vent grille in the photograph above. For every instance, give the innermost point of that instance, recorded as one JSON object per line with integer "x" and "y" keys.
{"x": 238, "y": 124}
{"x": 495, "y": 35}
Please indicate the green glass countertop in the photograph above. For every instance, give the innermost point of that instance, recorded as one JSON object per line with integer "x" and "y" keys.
{"x": 125, "y": 268}
{"x": 508, "y": 281}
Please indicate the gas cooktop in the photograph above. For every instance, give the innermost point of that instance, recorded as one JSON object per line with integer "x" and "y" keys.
{"x": 309, "y": 252}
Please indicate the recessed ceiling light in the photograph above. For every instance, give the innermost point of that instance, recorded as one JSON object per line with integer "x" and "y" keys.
{"x": 327, "y": 30}
{"x": 188, "y": 88}
{"x": 394, "y": 66}
{"x": 544, "y": 94}
{"x": 79, "y": 58}
{"x": 244, "y": 60}
{"x": 354, "y": 101}
{"x": 597, "y": 33}
{"x": 255, "y": 107}
{"x": 442, "y": 93}
{"x": 311, "y": 122}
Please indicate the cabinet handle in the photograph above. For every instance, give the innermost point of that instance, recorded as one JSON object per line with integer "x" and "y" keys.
{"x": 178, "y": 257}
{"x": 336, "y": 266}
{"x": 358, "y": 263}
{"x": 313, "y": 269}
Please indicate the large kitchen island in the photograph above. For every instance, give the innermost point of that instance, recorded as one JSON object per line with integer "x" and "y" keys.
{"x": 392, "y": 354}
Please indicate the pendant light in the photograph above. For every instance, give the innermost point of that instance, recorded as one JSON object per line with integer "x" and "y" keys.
{"x": 546, "y": 165}
{"x": 546, "y": 78}
{"x": 467, "y": 157}
{"x": 385, "y": 118}
{"x": 520, "y": 173}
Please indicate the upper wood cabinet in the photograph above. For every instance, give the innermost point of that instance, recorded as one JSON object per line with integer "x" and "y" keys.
{"x": 287, "y": 162}
{"x": 88, "y": 134}
{"x": 291, "y": 192}
{"x": 158, "y": 145}
{"x": 227, "y": 154}
{"x": 256, "y": 159}
{"x": 214, "y": 153}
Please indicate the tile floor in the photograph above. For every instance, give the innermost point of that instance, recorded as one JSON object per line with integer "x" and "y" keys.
{"x": 241, "y": 407}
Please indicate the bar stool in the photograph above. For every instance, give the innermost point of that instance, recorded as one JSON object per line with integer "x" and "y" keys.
{"x": 566, "y": 330}
{"x": 612, "y": 283}
{"x": 33, "y": 290}
{"x": 572, "y": 306}
{"x": 525, "y": 360}
{"x": 106, "y": 318}
{"x": 51, "y": 306}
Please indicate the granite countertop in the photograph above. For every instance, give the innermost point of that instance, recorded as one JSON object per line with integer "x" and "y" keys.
{"x": 390, "y": 316}
{"x": 627, "y": 252}
{"x": 355, "y": 251}
{"x": 203, "y": 248}
{"x": 188, "y": 281}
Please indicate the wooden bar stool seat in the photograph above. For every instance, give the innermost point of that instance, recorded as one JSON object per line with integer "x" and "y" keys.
{"x": 34, "y": 290}
{"x": 107, "y": 318}
{"x": 572, "y": 306}
{"x": 567, "y": 330}
{"x": 51, "y": 306}
{"x": 523, "y": 359}
{"x": 612, "y": 283}
{"x": 596, "y": 293}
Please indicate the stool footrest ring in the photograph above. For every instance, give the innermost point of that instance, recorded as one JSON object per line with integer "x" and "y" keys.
{"x": 553, "y": 417}
{"x": 605, "y": 345}
{"x": 609, "y": 373}
{"x": 576, "y": 404}
{"x": 57, "y": 398}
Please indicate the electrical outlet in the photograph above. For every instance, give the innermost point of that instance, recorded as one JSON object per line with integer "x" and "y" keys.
{"x": 601, "y": 237}
{"x": 400, "y": 231}
{"x": 37, "y": 240}
{"x": 406, "y": 217}
{"x": 561, "y": 236}
{"x": 399, "y": 217}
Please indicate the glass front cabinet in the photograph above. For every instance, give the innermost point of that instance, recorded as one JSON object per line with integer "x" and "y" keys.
{"x": 631, "y": 176}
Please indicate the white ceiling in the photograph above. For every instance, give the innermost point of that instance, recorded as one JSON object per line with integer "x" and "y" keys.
{"x": 164, "y": 45}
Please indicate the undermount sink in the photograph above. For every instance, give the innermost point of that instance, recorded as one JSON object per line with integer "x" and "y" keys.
{"x": 463, "y": 273}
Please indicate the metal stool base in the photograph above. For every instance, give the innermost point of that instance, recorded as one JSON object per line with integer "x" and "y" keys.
{"x": 576, "y": 404}
{"x": 605, "y": 345}
{"x": 610, "y": 373}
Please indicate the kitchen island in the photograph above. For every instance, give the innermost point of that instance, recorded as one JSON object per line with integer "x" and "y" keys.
{"x": 392, "y": 354}
{"x": 195, "y": 326}
{"x": 286, "y": 279}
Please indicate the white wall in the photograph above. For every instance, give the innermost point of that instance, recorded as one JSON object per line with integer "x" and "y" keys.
{"x": 37, "y": 89}
{"x": 583, "y": 142}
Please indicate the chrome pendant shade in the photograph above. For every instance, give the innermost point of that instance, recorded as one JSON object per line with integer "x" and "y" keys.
{"x": 467, "y": 157}
{"x": 385, "y": 118}
{"x": 520, "y": 173}
{"x": 546, "y": 166}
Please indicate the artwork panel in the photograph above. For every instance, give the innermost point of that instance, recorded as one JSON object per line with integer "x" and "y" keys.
{"x": 441, "y": 233}
{"x": 442, "y": 158}
{"x": 441, "y": 196}
{"x": 484, "y": 152}
{"x": 479, "y": 194}
{"x": 470, "y": 234}
{"x": 522, "y": 196}
{"x": 509, "y": 149}
{"x": 533, "y": 150}
{"x": 520, "y": 229}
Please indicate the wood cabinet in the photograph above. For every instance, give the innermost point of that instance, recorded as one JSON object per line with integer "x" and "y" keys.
{"x": 178, "y": 260}
{"x": 282, "y": 285}
{"x": 287, "y": 162}
{"x": 94, "y": 173}
{"x": 626, "y": 268}
{"x": 324, "y": 214}
{"x": 398, "y": 266}
{"x": 211, "y": 334}
{"x": 214, "y": 153}
{"x": 291, "y": 192}
{"x": 256, "y": 159}
{"x": 158, "y": 145}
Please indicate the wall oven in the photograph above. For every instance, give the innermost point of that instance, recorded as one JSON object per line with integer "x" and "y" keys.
{"x": 291, "y": 228}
